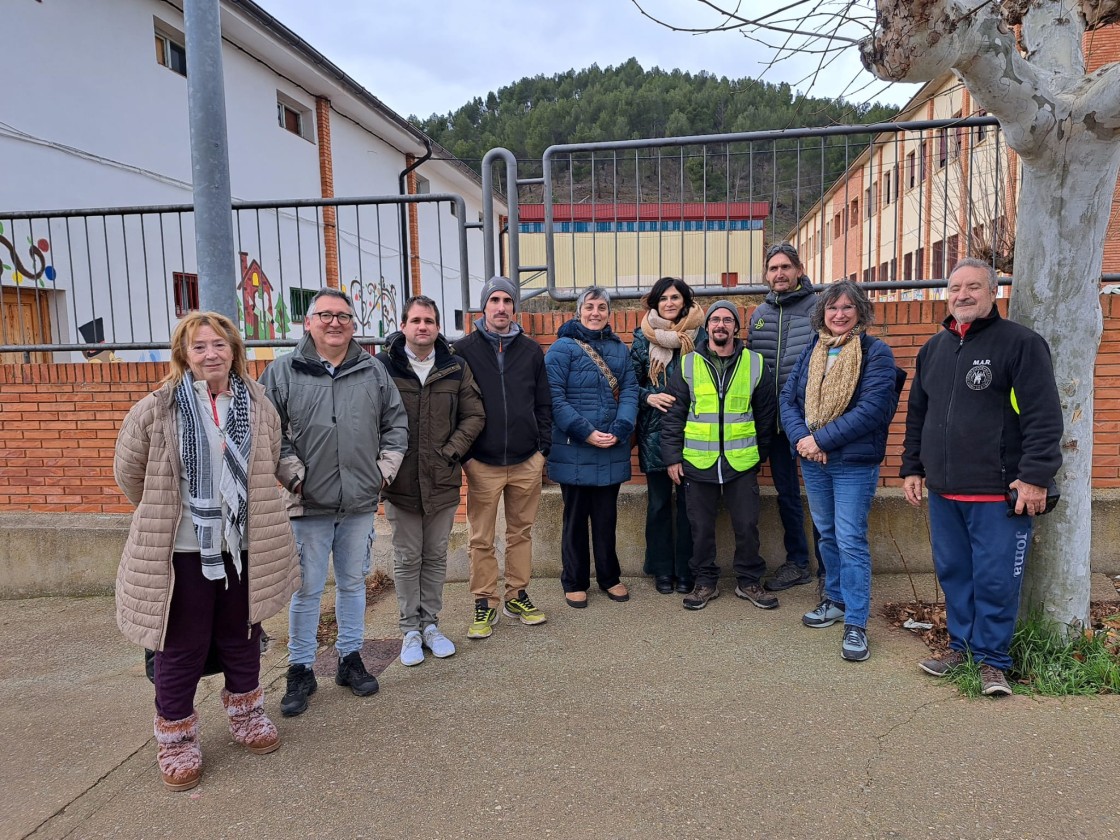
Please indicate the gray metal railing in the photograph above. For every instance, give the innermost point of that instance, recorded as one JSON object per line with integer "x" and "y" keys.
{"x": 621, "y": 214}
{"x": 88, "y": 281}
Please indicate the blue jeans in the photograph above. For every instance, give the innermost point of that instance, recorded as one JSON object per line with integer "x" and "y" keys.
{"x": 840, "y": 498}
{"x": 348, "y": 539}
{"x": 979, "y": 553}
{"x": 783, "y": 469}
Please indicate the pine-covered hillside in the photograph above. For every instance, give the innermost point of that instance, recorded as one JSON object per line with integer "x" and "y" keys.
{"x": 628, "y": 102}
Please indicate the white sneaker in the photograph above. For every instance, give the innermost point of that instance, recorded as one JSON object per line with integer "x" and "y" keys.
{"x": 440, "y": 646}
{"x": 412, "y": 650}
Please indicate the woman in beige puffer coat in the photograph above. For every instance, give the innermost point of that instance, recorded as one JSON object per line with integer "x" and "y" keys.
{"x": 210, "y": 552}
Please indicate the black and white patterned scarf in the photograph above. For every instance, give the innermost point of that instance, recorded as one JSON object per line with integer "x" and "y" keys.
{"x": 216, "y": 487}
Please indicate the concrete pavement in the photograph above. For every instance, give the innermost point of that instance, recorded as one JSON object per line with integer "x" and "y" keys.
{"x": 621, "y": 720}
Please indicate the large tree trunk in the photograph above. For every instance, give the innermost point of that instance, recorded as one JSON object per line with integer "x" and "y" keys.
{"x": 1065, "y": 125}
{"x": 1063, "y": 216}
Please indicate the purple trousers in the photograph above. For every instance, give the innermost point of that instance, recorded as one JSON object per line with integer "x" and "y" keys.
{"x": 205, "y": 613}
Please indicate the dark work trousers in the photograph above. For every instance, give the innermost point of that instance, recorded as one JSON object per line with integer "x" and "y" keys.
{"x": 600, "y": 505}
{"x": 204, "y": 612}
{"x": 667, "y": 556}
{"x": 783, "y": 469}
{"x": 740, "y": 497}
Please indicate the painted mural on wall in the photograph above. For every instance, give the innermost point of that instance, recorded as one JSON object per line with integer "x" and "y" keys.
{"x": 258, "y": 319}
{"x": 375, "y": 306}
{"x": 12, "y": 268}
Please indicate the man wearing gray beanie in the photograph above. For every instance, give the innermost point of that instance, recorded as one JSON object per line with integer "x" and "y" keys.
{"x": 714, "y": 437}
{"x": 504, "y": 465}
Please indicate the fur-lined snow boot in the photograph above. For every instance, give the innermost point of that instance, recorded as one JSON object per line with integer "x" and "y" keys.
{"x": 180, "y": 756}
{"x": 248, "y": 724}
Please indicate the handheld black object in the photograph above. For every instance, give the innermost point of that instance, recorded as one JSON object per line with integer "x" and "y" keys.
{"x": 1052, "y": 497}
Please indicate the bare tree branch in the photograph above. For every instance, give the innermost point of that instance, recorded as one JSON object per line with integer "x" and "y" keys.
{"x": 740, "y": 22}
{"x": 1100, "y": 103}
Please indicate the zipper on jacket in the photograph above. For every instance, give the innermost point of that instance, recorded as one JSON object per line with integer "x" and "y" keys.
{"x": 949, "y": 410}
{"x": 721, "y": 393}
{"x": 778, "y": 365}
{"x": 505, "y": 405}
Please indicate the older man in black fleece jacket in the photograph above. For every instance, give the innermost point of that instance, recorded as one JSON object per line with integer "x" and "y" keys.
{"x": 984, "y": 419}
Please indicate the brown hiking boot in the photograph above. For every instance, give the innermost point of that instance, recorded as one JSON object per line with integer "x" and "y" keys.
{"x": 940, "y": 667}
{"x": 699, "y": 597}
{"x": 757, "y": 595}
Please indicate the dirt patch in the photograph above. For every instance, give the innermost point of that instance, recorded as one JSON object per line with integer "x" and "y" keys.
{"x": 377, "y": 585}
{"x": 913, "y": 615}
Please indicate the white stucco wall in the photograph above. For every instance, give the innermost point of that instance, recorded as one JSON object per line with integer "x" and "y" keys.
{"x": 96, "y": 122}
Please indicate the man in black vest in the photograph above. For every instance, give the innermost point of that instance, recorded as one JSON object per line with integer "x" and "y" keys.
{"x": 779, "y": 331}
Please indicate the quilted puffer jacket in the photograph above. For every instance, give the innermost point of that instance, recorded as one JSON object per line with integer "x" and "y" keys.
{"x": 779, "y": 330}
{"x": 582, "y": 403}
{"x": 147, "y": 467}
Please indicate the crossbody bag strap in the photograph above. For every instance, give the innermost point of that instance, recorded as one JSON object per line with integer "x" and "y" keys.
{"x": 612, "y": 381}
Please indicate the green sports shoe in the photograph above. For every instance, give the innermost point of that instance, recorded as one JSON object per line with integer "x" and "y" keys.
{"x": 521, "y": 607}
{"x": 485, "y": 617}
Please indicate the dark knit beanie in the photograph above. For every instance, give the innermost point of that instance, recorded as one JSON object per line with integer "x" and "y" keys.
{"x": 500, "y": 284}
{"x": 723, "y": 304}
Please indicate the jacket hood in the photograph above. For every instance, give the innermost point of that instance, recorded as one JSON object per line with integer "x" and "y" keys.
{"x": 704, "y": 349}
{"x": 574, "y": 329}
{"x": 308, "y": 360}
{"x": 395, "y": 347}
{"x": 804, "y": 288}
{"x": 493, "y": 338}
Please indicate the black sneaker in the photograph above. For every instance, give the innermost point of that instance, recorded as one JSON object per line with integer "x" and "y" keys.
{"x": 352, "y": 672}
{"x": 301, "y": 685}
{"x": 787, "y": 575}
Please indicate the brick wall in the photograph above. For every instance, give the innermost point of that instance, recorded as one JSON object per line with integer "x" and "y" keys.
{"x": 58, "y": 423}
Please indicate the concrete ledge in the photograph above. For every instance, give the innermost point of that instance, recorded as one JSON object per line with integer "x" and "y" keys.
{"x": 48, "y": 554}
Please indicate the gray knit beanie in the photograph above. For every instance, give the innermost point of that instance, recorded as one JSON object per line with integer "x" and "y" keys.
{"x": 500, "y": 284}
{"x": 724, "y": 304}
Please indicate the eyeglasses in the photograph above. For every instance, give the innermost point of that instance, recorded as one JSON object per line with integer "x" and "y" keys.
{"x": 717, "y": 321}
{"x": 836, "y": 310}
{"x": 343, "y": 318}
{"x": 782, "y": 248}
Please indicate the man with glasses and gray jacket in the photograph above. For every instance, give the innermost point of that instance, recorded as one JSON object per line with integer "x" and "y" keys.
{"x": 344, "y": 435}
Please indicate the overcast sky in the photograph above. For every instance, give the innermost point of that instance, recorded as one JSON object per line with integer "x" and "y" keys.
{"x": 432, "y": 57}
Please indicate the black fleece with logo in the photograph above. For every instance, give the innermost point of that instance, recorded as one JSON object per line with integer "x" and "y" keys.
{"x": 963, "y": 433}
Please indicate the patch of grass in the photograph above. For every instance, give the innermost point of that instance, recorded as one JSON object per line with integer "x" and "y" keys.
{"x": 1054, "y": 661}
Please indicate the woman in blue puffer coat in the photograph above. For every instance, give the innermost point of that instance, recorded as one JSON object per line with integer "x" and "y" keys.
{"x": 836, "y": 409}
{"x": 594, "y": 407}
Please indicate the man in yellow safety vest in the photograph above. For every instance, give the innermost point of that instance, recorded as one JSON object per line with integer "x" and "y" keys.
{"x": 714, "y": 437}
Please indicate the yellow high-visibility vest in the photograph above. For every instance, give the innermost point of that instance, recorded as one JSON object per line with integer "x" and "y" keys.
{"x": 705, "y": 436}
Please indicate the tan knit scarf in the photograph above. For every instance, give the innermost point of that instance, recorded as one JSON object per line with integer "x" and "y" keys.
{"x": 665, "y": 336}
{"x": 827, "y": 394}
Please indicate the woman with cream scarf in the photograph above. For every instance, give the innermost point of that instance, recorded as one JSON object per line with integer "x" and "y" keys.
{"x": 672, "y": 326}
{"x": 836, "y": 408}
